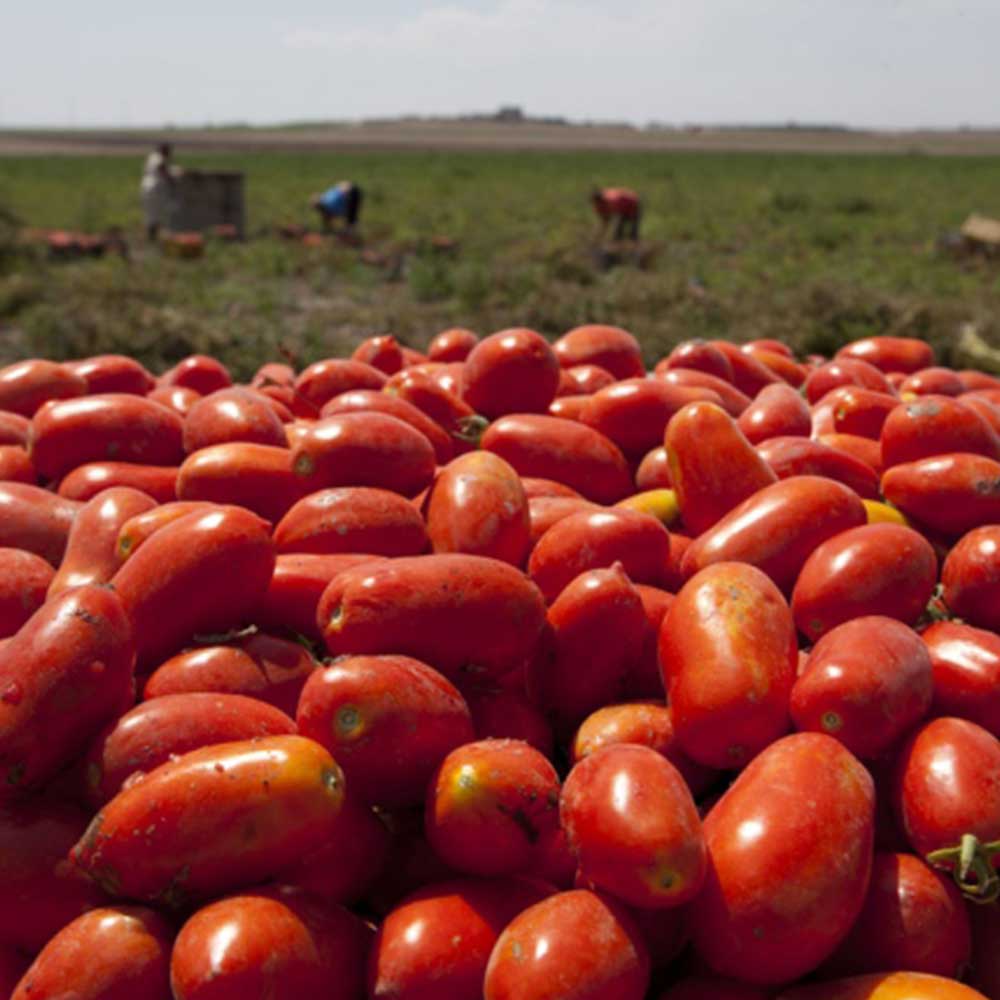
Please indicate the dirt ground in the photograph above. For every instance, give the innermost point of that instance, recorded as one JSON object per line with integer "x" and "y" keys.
{"x": 451, "y": 135}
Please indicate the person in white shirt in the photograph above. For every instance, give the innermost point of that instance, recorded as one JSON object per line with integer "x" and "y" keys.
{"x": 156, "y": 189}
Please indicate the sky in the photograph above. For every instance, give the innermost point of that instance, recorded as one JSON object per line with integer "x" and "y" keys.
{"x": 863, "y": 63}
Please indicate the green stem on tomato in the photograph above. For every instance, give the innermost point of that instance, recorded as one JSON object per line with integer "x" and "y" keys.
{"x": 971, "y": 864}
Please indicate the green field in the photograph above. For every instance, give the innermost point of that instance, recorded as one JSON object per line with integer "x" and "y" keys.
{"x": 813, "y": 249}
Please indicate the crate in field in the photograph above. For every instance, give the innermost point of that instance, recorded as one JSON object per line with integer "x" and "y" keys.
{"x": 204, "y": 200}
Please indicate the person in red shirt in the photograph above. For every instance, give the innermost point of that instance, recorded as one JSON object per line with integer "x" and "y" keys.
{"x": 621, "y": 204}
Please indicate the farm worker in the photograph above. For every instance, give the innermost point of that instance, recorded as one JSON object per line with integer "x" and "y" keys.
{"x": 156, "y": 189}
{"x": 343, "y": 200}
{"x": 621, "y": 204}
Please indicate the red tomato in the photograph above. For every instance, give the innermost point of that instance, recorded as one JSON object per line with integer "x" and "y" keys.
{"x": 24, "y": 581}
{"x": 729, "y": 658}
{"x": 86, "y": 481}
{"x": 790, "y": 853}
{"x": 563, "y": 450}
{"x": 913, "y": 918}
{"x": 875, "y": 569}
{"x": 214, "y": 819}
{"x": 26, "y": 385}
{"x": 699, "y": 355}
{"x": 92, "y": 554}
{"x": 802, "y": 456}
{"x": 35, "y": 520}
{"x": 847, "y": 371}
{"x": 199, "y": 372}
{"x": 175, "y": 397}
{"x": 857, "y": 410}
{"x": 467, "y": 616}
{"x": 863, "y": 449}
{"x": 645, "y": 679}
{"x": 16, "y": 466}
{"x": 460, "y": 422}
{"x": 156, "y": 731}
{"x": 14, "y": 429}
{"x": 383, "y": 353}
{"x": 583, "y": 379}
{"x": 325, "y": 379}
{"x": 713, "y": 466}
{"x": 389, "y": 721}
{"x": 935, "y": 425}
{"x": 477, "y": 505}
{"x": 631, "y": 822}
{"x": 438, "y": 941}
{"x": 138, "y": 528}
{"x": 113, "y": 373}
{"x": 513, "y": 371}
{"x": 654, "y": 471}
{"x": 453, "y": 344}
{"x": 778, "y": 363}
{"x": 749, "y": 375}
{"x": 891, "y": 354}
{"x": 933, "y": 381}
{"x": 568, "y": 407}
{"x": 352, "y": 519}
{"x": 966, "y": 664}
{"x": 734, "y": 402}
{"x": 509, "y": 715}
{"x": 234, "y": 414}
{"x": 778, "y": 528}
{"x": 866, "y": 682}
{"x": 108, "y": 954}
{"x": 611, "y": 347}
{"x": 543, "y": 512}
{"x": 971, "y": 577}
{"x": 541, "y": 948}
{"x": 777, "y": 411}
{"x": 596, "y": 634}
{"x": 488, "y": 804}
{"x": 596, "y": 539}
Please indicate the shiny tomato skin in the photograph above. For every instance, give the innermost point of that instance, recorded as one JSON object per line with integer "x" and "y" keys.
{"x": 40, "y": 891}
{"x": 631, "y": 822}
{"x": 596, "y": 539}
{"x": 91, "y": 550}
{"x": 856, "y": 410}
{"x": 364, "y": 449}
{"x": 885, "y": 986}
{"x": 513, "y": 371}
{"x": 544, "y": 512}
{"x": 891, "y": 354}
{"x": 113, "y": 426}
{"x": 465, "y": 616}
{"x": 698, "y": 355}
{"x": 729, "y": 656}
{"x": 951, "y": 494}
{"x": 913, "y": 918}
{"x": 568, "y": 407}
{"x": 214, "y": 819}
{"x": 653, "y": 471}
{"x": 488, "y": 804}
{"x": 112, "y": 953}
{"x": 635, "y": 412}
{"x": 112, "y": 373}
{"x": 646, "y": 723}
{"x": 778, "y": 527}
{"x": 63, "y": 675}
{"x": 452, "y": 344}
{"x": 477, "y": 505}
{"x": 802, "y": 456}
{"x": 296, "y": 586}
{"x": 438, "y": 940}
{"x": 175, "y": 397}
{"x": 35, "y": 520}
{"x": 935, "y": 425}
{"x": 790, "y": 852}
{"x": 24, "y": 581}
{"x": 274, "y": 942}
{"x": 713, "y": 466}
{"x": 749, "y": 375}
{"x": 14, "y": 429}
{"x": 946, "y": 785}
{"x": 866, "y": 682}
{"x": 986, "y": 408}
{"x": 966, "y": 665}
{"x": 27, "y": 385}
{"x": 865, "y": 450}
{"x": 352, "y": 519}
{"x": 446, "y": 408}
{"x": 329, "y": 377}
{"x": 847, "y": 371}
{"x": 778, "y": 363}
{"x": 377, "y": 401}
{"x": 200, "y": 372}
{"x": 563, "y": 450}
{"x": 383, "y": 353}
{"x": 583, "y": 379}
{"x": 874, "y": 569}
{"x": 86, "y": 481}
{"x": 156, "y": 731}
{"x": 734, "y": 402}
{"x": 258, "y": 477}
{"x": 778, "y": 411}
{"x": 16, "y": 466}
{"x": 971, "y": 578}
{"x": 538, "y": 955}
{"x": 203, "y": 573}
{"x": 388, "y": 721}
{"x": 233, "y": 414}
{"x": 260, "y": 666}
{"x": 933, "y": 381}
{"x": 610, "y": 347}
{"x": 138, "y": 528}
{"x": 596, "y": 632}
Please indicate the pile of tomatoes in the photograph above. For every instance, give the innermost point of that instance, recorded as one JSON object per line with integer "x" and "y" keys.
{"x": 510, "y": 671}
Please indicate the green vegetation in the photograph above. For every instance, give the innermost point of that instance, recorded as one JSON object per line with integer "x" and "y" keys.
{"x": 812, "y": 249}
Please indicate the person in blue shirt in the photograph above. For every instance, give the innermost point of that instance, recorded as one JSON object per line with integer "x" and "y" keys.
{"x": 342, "y": 201}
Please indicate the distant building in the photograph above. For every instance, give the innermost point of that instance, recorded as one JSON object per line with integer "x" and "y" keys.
{"x": 510, "y": 113}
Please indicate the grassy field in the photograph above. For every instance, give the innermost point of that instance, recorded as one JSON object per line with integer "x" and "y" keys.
{"x": 814, "y": 249}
